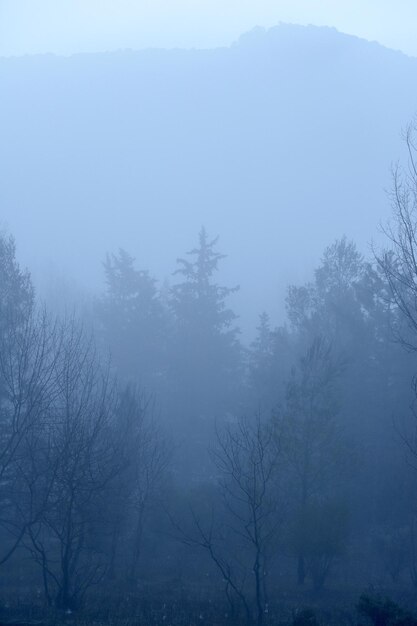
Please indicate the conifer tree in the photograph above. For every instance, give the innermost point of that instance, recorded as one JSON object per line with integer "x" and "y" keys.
{"x": 206, "y": 350}
{"x": 132, "y": 320}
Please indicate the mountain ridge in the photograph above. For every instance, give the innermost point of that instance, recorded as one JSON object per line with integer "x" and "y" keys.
{"x": 279, "y": 148}
{"x": 253, "y": 35}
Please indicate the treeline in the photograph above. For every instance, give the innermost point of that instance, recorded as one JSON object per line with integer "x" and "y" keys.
{"x": 147, "y": 452}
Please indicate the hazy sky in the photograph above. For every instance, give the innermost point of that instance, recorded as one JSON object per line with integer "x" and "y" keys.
{"x": 68, "y": 26}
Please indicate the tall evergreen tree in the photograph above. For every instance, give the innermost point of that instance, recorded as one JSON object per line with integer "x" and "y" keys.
{"x": 206, "y": 347}
{"x": 133, "y": 320}
{"x": 270, "y": 359}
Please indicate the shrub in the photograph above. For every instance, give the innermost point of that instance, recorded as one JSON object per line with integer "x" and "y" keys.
{"x": 384, "y": 612}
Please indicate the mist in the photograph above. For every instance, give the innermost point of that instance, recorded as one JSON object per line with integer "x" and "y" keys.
{"x": 208, "y": 322}
{"x": 288, "y": 130}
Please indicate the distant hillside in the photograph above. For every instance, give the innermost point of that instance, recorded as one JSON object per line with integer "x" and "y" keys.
{"x": 280, "y": 143}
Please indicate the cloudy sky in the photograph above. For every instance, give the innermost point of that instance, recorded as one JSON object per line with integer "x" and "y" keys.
{"x": 68, "y": 26}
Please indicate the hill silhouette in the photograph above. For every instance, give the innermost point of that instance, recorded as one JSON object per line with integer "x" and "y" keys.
{"x": 280, "y": 143}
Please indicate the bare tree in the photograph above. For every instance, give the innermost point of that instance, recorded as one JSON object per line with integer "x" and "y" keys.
{"x": 399, "y": 261}
{"x": 239, "y": 538}
{"x": 144, "y": 458}
{"x": 398, "y": 264}
{"x": 28, "y": 349}
{"x": 81, "y": 462}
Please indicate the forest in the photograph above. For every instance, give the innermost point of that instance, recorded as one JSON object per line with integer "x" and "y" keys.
{"x": 158, "y": 468}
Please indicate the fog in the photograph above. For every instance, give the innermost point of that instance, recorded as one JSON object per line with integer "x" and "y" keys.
{"x": 71, "y": 26}
{"x": 289, "y": 130}
{"x": 208, "y": 324}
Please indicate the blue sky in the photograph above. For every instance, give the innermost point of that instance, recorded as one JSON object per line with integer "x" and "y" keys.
{"x": 69, "y": 26}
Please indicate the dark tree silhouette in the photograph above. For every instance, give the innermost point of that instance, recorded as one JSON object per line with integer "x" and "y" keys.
{"x": 206, "y": 346}
{"x": 133, "y": 321}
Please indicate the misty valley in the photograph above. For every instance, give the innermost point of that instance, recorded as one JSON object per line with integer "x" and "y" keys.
{"x": 192, "y": 434}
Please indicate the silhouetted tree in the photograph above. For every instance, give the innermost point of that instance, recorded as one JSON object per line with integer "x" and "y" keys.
{"x": 138, "y": 487}
{"x": 313, "y": 446}
{"x": 270, "y": 359}
{"x": 16, "y": 289}
{"x": 27, "y": 362}
{"x": 24, "y": 387}
{"x": 398, "y": 262}
{"x": 84, "y": 459}
{"x": 206, "y": 349}
{"x": 239, "y": 534}
{"x": 133, "y": 321}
